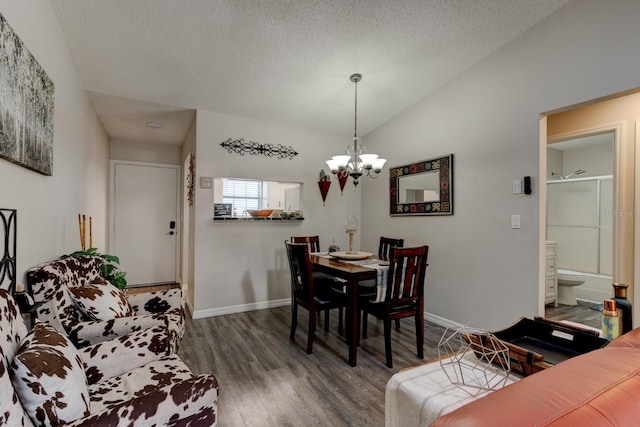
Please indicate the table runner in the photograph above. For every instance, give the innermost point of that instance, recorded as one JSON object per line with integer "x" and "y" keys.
{"x": 374, "y": 263}
{"x": 381, "y": 276}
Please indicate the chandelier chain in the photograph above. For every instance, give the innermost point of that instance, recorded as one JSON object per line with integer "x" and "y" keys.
{"x": 355, "y": 121}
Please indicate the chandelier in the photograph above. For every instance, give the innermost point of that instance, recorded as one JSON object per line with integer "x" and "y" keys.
{"x": 356, "y": 162}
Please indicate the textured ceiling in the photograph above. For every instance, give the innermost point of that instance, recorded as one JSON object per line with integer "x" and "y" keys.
{"x": 287, "y": 61}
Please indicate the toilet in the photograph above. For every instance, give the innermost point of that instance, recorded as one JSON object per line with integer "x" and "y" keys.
{"x": 566, "y": 282}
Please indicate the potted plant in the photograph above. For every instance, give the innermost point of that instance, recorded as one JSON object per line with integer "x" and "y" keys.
{"x": 110, "y": 268}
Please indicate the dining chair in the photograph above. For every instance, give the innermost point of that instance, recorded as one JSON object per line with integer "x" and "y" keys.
{"x": 386, "y": 243}
{"x": 404, "y": 295}
{"x": 368, "y": 288}
{"x": 304, "y": 292}
{"x": 313, "y": 243}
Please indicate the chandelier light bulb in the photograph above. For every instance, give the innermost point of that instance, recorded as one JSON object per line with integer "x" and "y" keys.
{"x": 378, "y": 164}
{"x": 341, "y": 161}
{"x": 332, "y": 165}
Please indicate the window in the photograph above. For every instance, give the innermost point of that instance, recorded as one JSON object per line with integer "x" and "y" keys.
{"x": 244, "y": 194}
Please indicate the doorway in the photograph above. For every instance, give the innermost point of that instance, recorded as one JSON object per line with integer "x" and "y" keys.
{"x": 579, "y": 186}
{"x": 144, "y": 210}
{"x": 615, "y": 115}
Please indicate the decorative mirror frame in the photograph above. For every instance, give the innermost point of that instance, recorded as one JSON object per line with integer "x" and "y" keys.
{"x": 444, "y": 206}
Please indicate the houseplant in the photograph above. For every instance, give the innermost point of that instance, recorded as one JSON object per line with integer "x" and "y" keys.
{"x": 110, "y": 268}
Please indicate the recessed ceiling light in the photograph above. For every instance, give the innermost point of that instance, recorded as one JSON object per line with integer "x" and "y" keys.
{"x": 154, "y": 125}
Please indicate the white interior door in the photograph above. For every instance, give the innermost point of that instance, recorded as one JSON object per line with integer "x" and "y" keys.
{"x": 144, "y": 221}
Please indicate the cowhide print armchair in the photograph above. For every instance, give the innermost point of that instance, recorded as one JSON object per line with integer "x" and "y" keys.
{"x": 130, "y": 380}
{"x": 53, "y": 284}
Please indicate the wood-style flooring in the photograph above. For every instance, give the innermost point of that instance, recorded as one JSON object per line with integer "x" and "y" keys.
{"x": 582, "y": 313}
{"x": 266, "y": 380}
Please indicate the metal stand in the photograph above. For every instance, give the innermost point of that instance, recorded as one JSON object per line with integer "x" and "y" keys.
{"x": 473, "y": 359}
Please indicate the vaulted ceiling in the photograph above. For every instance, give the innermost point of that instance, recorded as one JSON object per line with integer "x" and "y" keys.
{"x": 281, "y": 60}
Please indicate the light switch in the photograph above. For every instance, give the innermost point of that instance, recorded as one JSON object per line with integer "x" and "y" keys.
{"x": 206, "y": 182}
{"x": 515, "y": 221}
{"x": 517, "y": 186}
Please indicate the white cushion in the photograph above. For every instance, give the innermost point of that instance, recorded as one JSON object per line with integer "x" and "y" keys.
{"x": 49, "y": 377}
{"x": 101, "y": 301}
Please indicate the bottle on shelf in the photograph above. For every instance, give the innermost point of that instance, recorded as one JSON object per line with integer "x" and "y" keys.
{"x": 610, "y": 320}
{"x": 623, "y": 307}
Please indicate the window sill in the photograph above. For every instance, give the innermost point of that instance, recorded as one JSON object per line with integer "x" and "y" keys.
{"x": 244, "y": 219}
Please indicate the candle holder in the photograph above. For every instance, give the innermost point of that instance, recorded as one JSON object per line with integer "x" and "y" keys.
{"x": 351, "y": 226}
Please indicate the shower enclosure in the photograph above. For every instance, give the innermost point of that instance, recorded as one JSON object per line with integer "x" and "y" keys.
{"x": 580, "y": 218}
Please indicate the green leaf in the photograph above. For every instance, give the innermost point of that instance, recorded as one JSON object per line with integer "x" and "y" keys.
{"x": 110, "y": 258}
{"x": 109, "y": 269}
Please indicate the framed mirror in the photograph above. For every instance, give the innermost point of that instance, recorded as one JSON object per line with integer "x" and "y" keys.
{"x": 422, "y": 188}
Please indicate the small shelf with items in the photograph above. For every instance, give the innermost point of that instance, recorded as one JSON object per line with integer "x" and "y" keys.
{"x": 248, "y": 218}
{"x": 223, "y": 212}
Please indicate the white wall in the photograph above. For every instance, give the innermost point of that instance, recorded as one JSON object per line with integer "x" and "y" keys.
{"x": 597, "y": 160}
{"x": 145, "y": 152}
{"x": 242, "y": 265}
{"x": 479, "y": 269}
{"x": 48, "y": 206}
{"x": 554, "y": 163}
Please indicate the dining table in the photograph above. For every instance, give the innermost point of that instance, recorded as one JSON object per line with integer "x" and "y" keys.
{"x": 352, "y": 274}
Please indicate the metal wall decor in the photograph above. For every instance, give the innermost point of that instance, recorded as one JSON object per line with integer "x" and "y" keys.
{"x": 8, "y": 261}
{"x": 255, "y": 148}
{"x": 191, "y": 177}
{"x": 26, "y": 105}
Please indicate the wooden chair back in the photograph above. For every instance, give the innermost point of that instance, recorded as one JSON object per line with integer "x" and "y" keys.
{"x": 302, "y": 286}
{"x": 312, "y": 242}
{"x": 385, "y": 245}
{"x": 405, "y": 282}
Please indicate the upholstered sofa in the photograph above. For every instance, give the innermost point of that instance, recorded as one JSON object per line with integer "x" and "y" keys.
{"x": 131, "y": 380}
{"x": 52, "y": 284}
{"x": 599, "y": 388}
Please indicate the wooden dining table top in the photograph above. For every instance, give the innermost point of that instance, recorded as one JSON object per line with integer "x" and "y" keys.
{"x": 332, "y": 265}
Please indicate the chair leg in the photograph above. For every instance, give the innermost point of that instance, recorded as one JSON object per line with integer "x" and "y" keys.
{"x": 311, "y": 333}
{"x": 387, "y": 342}
{"x": 365, "y": 323}
{"x": 358, "y": 318}
{"x": 397, "y": 324}
{"x": 294, "y": 320}
{"x": 340, "y": 320}
{"x": 420, "y": 335}
{"x": 326, "y": 320}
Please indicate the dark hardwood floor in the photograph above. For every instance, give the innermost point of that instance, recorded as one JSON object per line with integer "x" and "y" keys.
{"x": 266, "y": 380}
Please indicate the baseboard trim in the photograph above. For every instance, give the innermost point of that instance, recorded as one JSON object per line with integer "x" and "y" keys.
{"x": 189, "y": 305}
{"x": 441, "y": 321}
{"x": 200, "y": 314}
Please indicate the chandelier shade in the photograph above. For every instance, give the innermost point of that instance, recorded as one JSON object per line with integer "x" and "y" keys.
{"x": 356, "y": 162}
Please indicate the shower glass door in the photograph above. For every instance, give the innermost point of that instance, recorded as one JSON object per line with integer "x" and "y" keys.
{"x": 580, "y": 219}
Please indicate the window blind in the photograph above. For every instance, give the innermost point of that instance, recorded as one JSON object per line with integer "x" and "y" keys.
{"x": 244, "y": 194}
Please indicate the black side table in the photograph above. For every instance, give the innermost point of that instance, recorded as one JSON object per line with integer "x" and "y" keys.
{"x": 27, "y": 309}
